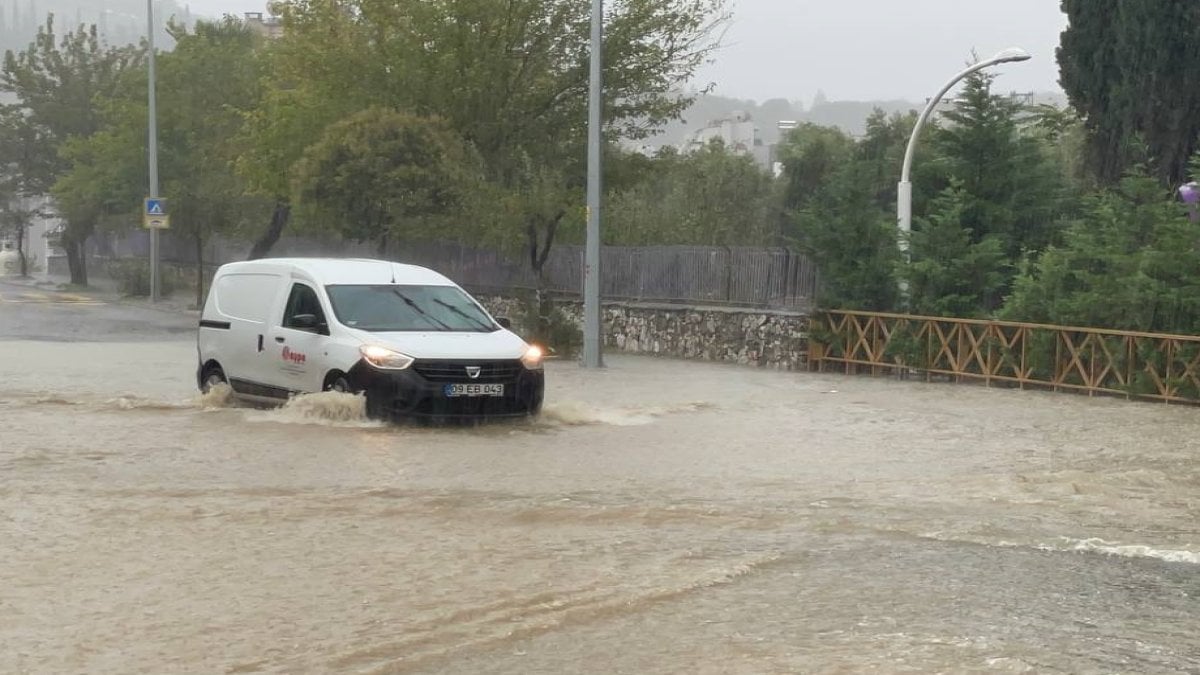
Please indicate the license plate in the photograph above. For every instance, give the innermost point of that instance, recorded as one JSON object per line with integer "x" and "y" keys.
{"x": 474, "y": 390}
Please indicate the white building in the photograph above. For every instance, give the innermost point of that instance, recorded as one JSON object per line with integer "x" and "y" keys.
{"x": 738, "y": 131}
{"x": 267, "y": 26}
{"x": 740, "y": 135}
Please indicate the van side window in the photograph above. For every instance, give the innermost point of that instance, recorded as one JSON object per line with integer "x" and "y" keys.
{"x": 302, "y": 301}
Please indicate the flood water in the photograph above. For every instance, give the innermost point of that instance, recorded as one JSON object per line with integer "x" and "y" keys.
{"x": 662, "y": 517}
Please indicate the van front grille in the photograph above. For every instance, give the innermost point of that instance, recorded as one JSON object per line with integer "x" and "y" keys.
{"x": 457, "y": 371}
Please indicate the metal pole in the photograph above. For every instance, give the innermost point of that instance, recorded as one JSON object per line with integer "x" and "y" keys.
{"x": 592, "y": 326}
{"x": 155, "y": 281}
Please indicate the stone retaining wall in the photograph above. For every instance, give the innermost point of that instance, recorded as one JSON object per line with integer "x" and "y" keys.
{"x": 762, "y": 338}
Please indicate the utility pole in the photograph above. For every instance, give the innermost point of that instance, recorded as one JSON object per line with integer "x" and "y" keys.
{"x": 155, "y": 279}
{"x": 592, "y": 325}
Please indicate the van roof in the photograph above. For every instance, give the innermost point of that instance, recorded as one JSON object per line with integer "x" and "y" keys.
{"x": 326, "y": 271}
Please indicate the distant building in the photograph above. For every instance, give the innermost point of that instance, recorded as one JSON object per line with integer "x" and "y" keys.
{"x": 738, "y": 131}
{"x": 270, "y": 27}
{"x": 740, "y": 135}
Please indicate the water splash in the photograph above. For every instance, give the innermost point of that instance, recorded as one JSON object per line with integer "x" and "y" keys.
{"x": 217, "y": 397}
{"x": 326, "y": 408}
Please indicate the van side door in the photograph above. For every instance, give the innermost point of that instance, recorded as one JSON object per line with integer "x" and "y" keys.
{"x": 298, "y": 340}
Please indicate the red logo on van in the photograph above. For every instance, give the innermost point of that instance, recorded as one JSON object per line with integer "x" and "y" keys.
{"x": 294, "y": 357}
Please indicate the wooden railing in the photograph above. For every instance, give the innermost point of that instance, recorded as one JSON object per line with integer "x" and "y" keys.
{"x": 1127, "y": 363}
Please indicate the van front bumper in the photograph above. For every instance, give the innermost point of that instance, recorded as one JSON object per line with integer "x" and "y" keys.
{"x": 421, "y": 390}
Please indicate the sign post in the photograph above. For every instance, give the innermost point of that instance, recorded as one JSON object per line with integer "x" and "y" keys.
{"x": 155, "y": 208}
{"x": 155, "y": 219}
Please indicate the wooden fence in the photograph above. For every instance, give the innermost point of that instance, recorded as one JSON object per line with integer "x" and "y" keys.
{"x": 1096, "y": 361}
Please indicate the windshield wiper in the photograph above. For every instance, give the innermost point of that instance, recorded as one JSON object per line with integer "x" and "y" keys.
{"x": 425, "y": 315}
{"x": 482, "y": 324}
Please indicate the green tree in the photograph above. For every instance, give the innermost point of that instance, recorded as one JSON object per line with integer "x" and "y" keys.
{"x": 59, "y": 84}
{"x": 1130, "y": 262}
{"x": 1129, "y": 68}
{"x": 511, "y": 78}
{"x": 384, "y": 174}
{"x": 834, "y": 189}
{"x": 710, "y": 197}
{"x": 1061, "y": 133}
{"x": 811, "y": 155}
{"x": 1011, "y": 189}
{"x": 21, "y": 163}
{"x": 210, "y": 80}
{"x": 952, "y": 272}
{"x": 881, "y": 151}
{"x": 205, "y": 86}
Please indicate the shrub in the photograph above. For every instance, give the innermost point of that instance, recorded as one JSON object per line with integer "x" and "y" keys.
{"x": 547, "y": 325}
{"x": 133, "y": 277}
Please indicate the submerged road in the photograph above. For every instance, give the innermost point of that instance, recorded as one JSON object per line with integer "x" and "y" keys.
{"x": 661, "y": 517}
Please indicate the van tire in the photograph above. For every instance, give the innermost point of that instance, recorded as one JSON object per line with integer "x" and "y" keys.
{"x": 336, "y": 381}
{"x": 211, "y": 377}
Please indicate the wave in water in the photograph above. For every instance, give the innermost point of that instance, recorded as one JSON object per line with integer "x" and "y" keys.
{"x": 1070, "y": 545}
{"x": 1125, "y": 550}
{"x": 578, "y": 414}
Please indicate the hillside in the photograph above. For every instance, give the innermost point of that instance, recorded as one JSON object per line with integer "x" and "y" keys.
{"x": 849, "y": 116}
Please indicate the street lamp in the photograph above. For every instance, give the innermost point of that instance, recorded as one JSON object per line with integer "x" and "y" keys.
{"x": 904, "y": 191}
{"x": 592, "y": 326}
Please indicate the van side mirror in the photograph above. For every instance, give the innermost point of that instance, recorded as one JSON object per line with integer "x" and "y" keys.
{"x": 504, "y": 322}
{"x": 305, "y": 321}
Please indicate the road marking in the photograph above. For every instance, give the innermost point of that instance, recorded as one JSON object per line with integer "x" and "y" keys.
{"x": 48, "y": 299}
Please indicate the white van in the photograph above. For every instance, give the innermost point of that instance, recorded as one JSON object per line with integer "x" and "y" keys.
{"x": 411, "y": 340}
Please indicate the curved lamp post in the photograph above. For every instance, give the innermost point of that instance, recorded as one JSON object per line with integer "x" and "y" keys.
{"x": 904, "y": 192}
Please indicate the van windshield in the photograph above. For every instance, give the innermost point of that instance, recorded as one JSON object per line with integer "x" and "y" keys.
{"x": 391, "y": 307}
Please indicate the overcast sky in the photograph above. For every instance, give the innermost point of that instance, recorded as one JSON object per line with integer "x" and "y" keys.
{"x": 860, "y": 49}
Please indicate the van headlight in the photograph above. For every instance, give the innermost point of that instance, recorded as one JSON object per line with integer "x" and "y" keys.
{"x": 533, "y": 358}
{"x": 382, "y": 357}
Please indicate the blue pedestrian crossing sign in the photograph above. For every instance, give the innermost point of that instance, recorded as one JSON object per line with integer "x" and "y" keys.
{"x": 155, "y": 216}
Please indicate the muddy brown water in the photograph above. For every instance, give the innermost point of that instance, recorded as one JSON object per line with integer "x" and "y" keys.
{"x": 661, "y": 517}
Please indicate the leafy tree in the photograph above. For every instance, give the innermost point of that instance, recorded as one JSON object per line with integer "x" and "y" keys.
{"x": 1130, "y": 262}
{"x": 835, "y": 197}
{"x": 953, "y": 273}
{"x": 1061, "y": 134}
{"x": 811, "y": 156}
{"x": 319, "y": 72}
{"x": 59, "y": 83}
{"x": 1010, "y": 188}
{"x": 881, "y": 150}
{"x": 711, "y": 197}
{"x": 382, "y": 173}
{"x": 204, "y": 87}
{"x": 510, "y": 78}
{"x": 20, "y": 165}
{"x": 209, "y": 81}
{"x": 1129, "y": 68}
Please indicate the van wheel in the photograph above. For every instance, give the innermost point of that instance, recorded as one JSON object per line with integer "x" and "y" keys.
{"x": 338, "y": 382}
{"x": 213, "y": 375}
